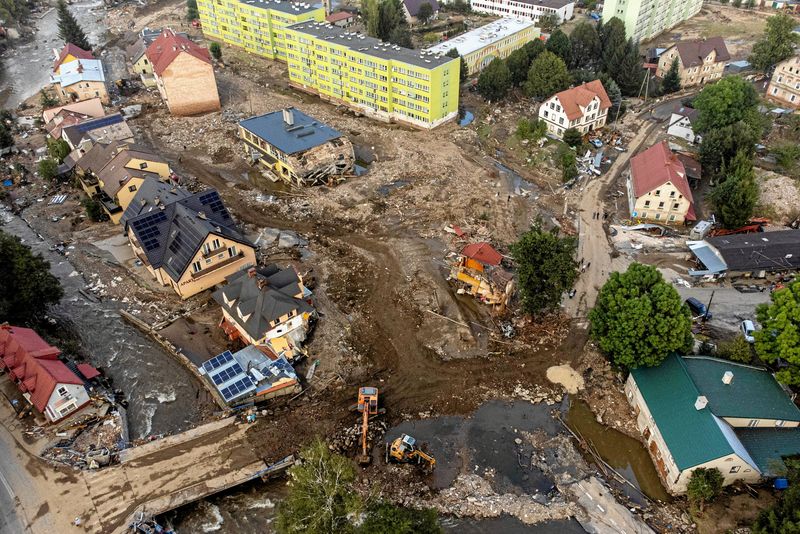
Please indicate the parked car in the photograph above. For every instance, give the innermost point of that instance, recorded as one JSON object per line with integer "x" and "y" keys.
{"x": 748, "y": 328}
{"x": 698, "y": 308}
{"x": 597, "y": 143}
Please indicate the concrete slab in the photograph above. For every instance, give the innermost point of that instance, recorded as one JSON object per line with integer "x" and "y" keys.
{"x": 118, "y": 247}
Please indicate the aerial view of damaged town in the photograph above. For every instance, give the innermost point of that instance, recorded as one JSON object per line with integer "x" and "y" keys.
{"x": 399, "y": 266}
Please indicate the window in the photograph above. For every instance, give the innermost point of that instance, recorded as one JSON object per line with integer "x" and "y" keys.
{"x": 658, "y": 192}
{"x": 196, "y": 267}
{"x": 658, "y": 216}
{"x": 63, "y": 391}
{"x": 676, "y": 206}
{"x": 672, "y": 194}
{"x": 232, "y": 251}
{"x": 780, "y": 423}
{"x": 735, "y": 469}
{"x": 132, "y": 188}
{"x": 215, "y": 244}
{"x": 143, "y": 165}
{"x": 752, "y": 423}
{"x": 646, "y": 203}
{"x": 661, "y": 205}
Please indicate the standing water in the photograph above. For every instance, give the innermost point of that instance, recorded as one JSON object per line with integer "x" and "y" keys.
{"x": 162, "y": 395}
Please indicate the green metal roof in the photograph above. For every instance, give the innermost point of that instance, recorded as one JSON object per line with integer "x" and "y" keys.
{"x": 753, "y": 394}
{"x": 767, "y": 446}
{"x": 693, "y": 436}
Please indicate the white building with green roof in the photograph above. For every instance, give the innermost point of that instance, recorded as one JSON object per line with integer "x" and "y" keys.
{"x": 705, "y": 412}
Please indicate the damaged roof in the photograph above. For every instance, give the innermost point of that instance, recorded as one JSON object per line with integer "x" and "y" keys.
{"x": 262, "y": 295}
{"x": 301, "y": 133}
{"x": 767, "y": 251}
{"x": 482, "y": 252}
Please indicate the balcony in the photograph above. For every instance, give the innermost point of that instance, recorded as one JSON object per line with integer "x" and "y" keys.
{"x": 219, "y": 265}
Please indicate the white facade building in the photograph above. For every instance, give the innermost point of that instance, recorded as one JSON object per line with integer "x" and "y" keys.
{"x": 680, "y": 125}
{"x": 526, "y": 9}
{"x": 584, "y": 108}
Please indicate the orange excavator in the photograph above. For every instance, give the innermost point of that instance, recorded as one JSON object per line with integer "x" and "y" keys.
{"x": 367, "y": 405}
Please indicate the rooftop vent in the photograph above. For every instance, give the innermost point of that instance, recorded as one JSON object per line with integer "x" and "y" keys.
{"x": 700, "y": 403}
{"x": 727, "y": 378}
{"x": 288, "y": 117}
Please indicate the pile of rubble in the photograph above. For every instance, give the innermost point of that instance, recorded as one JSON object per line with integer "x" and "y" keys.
{"x": 348, "y": 439}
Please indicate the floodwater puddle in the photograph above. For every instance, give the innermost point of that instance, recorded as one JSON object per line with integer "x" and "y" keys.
{"x": 465, "y": 117}
{"x": 624, "y": 453}
{"x": 518, "y": 184}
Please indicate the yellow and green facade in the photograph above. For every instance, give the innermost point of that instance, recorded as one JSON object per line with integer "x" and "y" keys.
{"x": 257, "y": 26}
{"x": 381, "y": 80}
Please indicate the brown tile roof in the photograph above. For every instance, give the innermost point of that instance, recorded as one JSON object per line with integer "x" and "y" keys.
{"x": 656, "y": 166}
{"x": 97, "y": 156}
{"x": 577, "y": 97}
{"x": 76, "y": 51}
{"x": 163, "y": 51}
{"x": 341, "y": 15}
{"x": 116, "y": 173}
{"x": 693, "y": 52}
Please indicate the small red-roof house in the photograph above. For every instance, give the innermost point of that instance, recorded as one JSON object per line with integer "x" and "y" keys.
{"x": 184, "y": 74}
{"x": 44, "y": 380}
{"x": 342, "y": 19}
{"x": 70, "y": 52}
{"x": 482, "y": 253}
{"x": 584, "y": 108}
{"x": 658, "y": 187}
{"x": 479, "y": 269}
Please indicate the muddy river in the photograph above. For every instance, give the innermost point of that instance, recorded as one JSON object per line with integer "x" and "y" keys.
{"x": 162, "y": 395}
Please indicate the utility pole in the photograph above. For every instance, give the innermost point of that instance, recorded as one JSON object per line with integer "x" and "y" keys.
{"x": 708, "y": 306}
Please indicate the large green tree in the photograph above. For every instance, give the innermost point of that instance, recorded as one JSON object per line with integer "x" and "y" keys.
{"x": 567, "y": 161}
{"x": 777, "y": 42}
{"x": 385, "y": 518}
{"x": 495, "y": 80}
{"x": 639, "y": 319}
{"x": 6, "y": 138}
{"x": 704, "y": 486}
{"x": 560, "y": 45}
{"x": 736, "y": 197}
{"x": 672, "y": 79}
{"x": 730, "y": 100}
{"x": 550, "y": 22}
{"x": 548, "y": 75}
{"x": 612, "y": 39}
{"x": 779, "y": 337}
{"x": 191, "y": 9}
{"x": 784, "y": 516}
{"x": 386, "y": 20}
{"x": 629, "y": 73}
{"x": 68, "y": 28}
{"x": 27, "y": 288}
{"x": 720, "y": 145}
{"x": 586, "y": 47}
{"x": 58, "y": 149}
{"x": 425, "y": 13}
{"x": 546, "y": 267}
{"x": 14, "y": 11}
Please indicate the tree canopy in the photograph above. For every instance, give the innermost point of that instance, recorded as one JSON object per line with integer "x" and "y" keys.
{"x": 572, "y": 137}
{"x": 548, "y": 75}
{"x": 736, "y": 197}
{"x": 48, "y": 169}
{"x": 784, "y": 516}
{"x": 495, "y": 80}
{"x": 550, "y": 22}
{"x": 586, "y": 47}
{"x": 546, "y": 267}
{"x": 730, "y": 100}
{"x": 386, "y": 20}
{"x": 560, "y": 45}
{"x": 68, "y": 28}
{"x": 672, "y": 79}
{"x": 6, "y": 139}
{"x": 704, "y": 486}
{"x": 612, "y": 39}
{"x": 191, "y": 10}
{"x": 27, "y": 288}
{"x": 776, "y": 44}
{"x": 720, "y": 145}
{"x": 425, "y": 12}
{"x": 629, "y": 73}
{"x": 639, "y": 319}
{"x": 14, "y": 11}
{"x": 567, "y": 161}
{"x": 779, "y": 337}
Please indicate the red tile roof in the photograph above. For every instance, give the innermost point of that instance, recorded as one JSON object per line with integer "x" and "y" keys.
{"x": 47, "y": 375}
{"x": 341, "y": 15}
{"x": 76, "y": 51}
{"x": 483, "y": 253}
{"x": 656, "y": 166}
{"x": 168, "y": 46}
{"x": 572, "y": 100}
{"x": 17, "y": 342}
{"x": 88, "y": 371}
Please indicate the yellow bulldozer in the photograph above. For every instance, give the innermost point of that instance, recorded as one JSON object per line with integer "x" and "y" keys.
{"x": 404, "y": 450}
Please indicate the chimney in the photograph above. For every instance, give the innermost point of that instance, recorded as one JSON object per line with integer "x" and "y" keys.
{"x": 288, "y": 116}
{"x": 700, "y": 403}
{"x": 727, "y": 378}
{"x": 202, "y": 215}
{"x": 251, "y": 272}
{"x": 261, "y": 282}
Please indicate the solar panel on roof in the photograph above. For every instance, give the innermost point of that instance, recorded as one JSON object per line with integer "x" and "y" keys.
{"x": 218, "y": 361}
{"x": 227, "y": 373}
{"x": 99, "y": 123}
{"x": 237, "y": 389}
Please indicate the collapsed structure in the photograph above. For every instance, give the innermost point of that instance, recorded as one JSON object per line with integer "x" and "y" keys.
{"x": 480, "y": 273}
{"x": 747, "y": 253}
{"x": 297, "y": 148}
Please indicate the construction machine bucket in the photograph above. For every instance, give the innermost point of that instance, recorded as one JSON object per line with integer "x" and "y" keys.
{"x": 364, "y": 459}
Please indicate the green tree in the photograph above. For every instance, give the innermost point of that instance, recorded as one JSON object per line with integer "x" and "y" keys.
{"x": 786, "y": 154}
{"x": 545, "y": 266}
{"x": 191, "y": 10}
{"x": 216, "y": 50}
{"x": 783, "y": 516}
{"x": 425, "y": 13}
{"x": 612, "y": 39}
{"x": 401, "y": 36}
{"x": 68, "y": 28}
{"x": 386, "y": 20}
{"x": 385, "y": 518}
{"x": 531, "y": 129}
{"x": 737, "y": 350}
{"x": 719, "y": 146}
{"x": 93, "y": 209}
{"x": 494, "y": 81}
{"x": 572, "y": 137}
{"x": 518, "y": 65}
{"x": 320, "y": 494}
{"x": 48, "y": 169}
{"x": 704, "y": 486}
{"x": 567, "y": 161}
{"x": 14, "y": 12}
{"x": 779, "y": 337}
{"x": 629, "y": 74}
{"x": 548, "y": 23}
{"x": 751, "y": 4}
{"x": 464, "y": 71}
{"x": 560, "y": 45}
{"x": 534, "y": 48}
{"x": 730, "y": 100}
{"x": 776, "y": 44}
{"x": 58, "y": 149}
{"x": 27, "y": 288}
{"x": 547, "y": 76}
{"x": 639, "y": 319}
{"x": 46, "y": 99}
{"x": 672, "y": 79}
{"x": 586, "y": 47}
{"x": 736, "y": 197}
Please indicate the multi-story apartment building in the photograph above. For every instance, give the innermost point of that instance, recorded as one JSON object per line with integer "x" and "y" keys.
{"x": 381, "y": 80}
{"x": 784, "y": 87}
{"x": 699, "y": 60}
{"x": 644, "y": 19}
{"x": 531, "y": 10}
{"x": 255, "y": 25}
{"x": 497, "y": 39}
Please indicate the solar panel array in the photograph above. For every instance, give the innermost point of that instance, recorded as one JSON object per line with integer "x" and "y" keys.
{"x": 237, "y": 389}
{"x": 214, "y": 202}
{"x": 227, "y": 373}
{"x": 218, "y": 361}
{"x": 146, "y": 228}
{"x": 99, "y": 123}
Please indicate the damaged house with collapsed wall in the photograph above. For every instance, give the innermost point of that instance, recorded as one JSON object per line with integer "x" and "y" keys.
{"x": 297, "y": 148}
{"x": 267, "y": 306}
{"x": 478, "y": 271}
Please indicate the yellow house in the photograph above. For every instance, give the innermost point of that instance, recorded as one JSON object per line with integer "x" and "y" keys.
{"x": 120, "y": 178}
{"x": 784, "y": 85}
{"x": 297, "y": 148}
{"x": 140, "y": 64}
{"x": 81, "y": 79}
{"x": 658, "y": 187}
{"x": 68, "y": 54}
{"x": 698, "y": 412}
{"x": 89, "y": 164}
{"x": 187, "y": 241}
{"x": 699, "y": 60}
